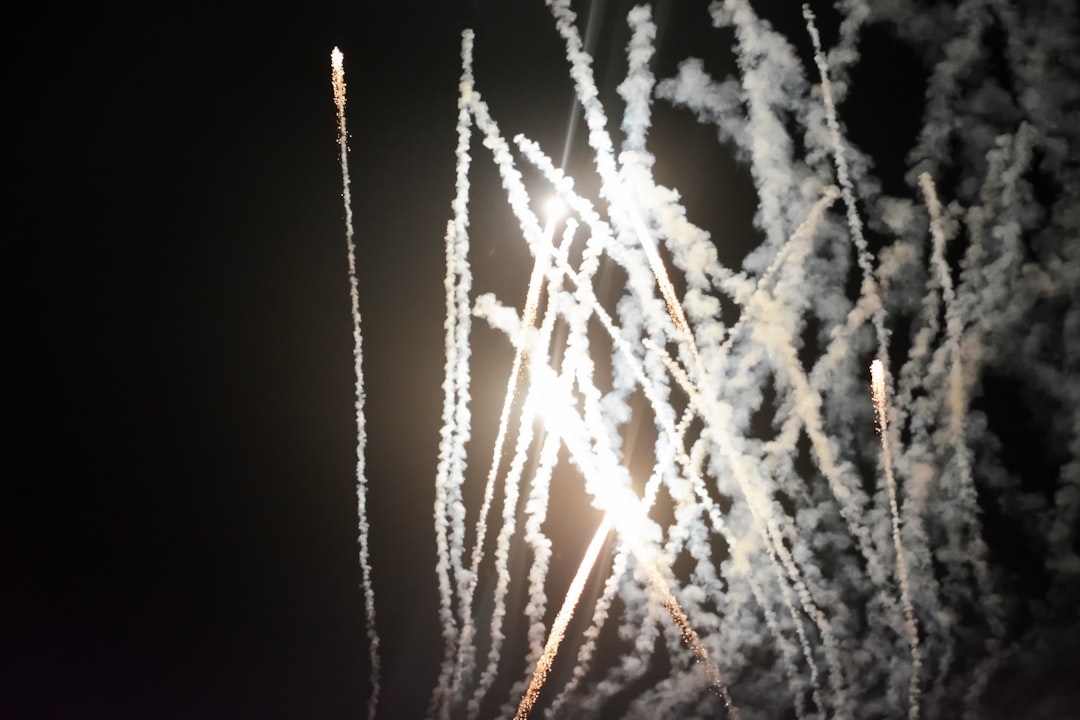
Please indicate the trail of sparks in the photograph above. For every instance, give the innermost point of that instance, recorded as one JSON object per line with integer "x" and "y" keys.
{"x": 337, "y": 78}
{"x": 877, "y": 390}
{"x": 562, "y": 620}
{"x": 691, "y": 640}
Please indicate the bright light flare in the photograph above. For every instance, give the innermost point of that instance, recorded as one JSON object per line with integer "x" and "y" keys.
{"x": 554, "y": 209}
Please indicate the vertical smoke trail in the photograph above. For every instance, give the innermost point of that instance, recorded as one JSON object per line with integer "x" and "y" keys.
{"x": 455, "y": 430}
{"x": 519, "y": 201}
{"x": 441, "y": 695}
{"x": 877, "y": 388}
{"x": 957, "y": 431}
{"x": 957, "y": 402}
{"x": 636, "y": 89}
{"x": 337, "y": 78}
{"x": 463, "y": 323}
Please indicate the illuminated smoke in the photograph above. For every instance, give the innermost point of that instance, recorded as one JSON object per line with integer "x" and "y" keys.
{"x": 337, "y": 78}
{"x": 776, "y": 545}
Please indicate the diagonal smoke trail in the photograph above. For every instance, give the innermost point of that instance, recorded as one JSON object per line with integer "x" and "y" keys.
{"x": 847, "y": 190}
{"x": 337, "y": 76}
{"x": 622, "y": 204}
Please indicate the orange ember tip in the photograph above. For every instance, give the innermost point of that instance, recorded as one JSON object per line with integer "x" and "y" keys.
{"x": 877, "y": 374}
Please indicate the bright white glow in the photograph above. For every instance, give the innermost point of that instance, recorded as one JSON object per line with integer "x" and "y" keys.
{"x": 554, "y": 208}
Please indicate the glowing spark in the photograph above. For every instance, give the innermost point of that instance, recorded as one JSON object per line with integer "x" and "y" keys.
{"x": 877, "y": 391}
{"x": 337, "y": 79}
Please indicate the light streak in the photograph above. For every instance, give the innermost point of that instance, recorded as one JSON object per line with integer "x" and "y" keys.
{"x": 562, "y": 620}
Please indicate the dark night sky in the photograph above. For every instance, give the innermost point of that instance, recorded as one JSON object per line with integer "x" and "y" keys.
{"x": 178, "y": 535}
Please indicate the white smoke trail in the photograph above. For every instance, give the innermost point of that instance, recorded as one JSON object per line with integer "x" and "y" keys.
{"x": 637, "y": 88}
{"x": 957, "y": 401}
{"x": 847, "y": 190}
{"x": 957, "y": 430}
{"x": 441, "y": 697}
{"x": 449, "y": 507}
{"x": 337, "y": 77}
